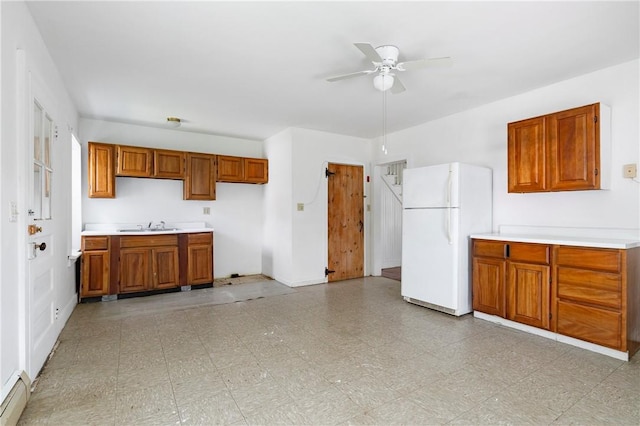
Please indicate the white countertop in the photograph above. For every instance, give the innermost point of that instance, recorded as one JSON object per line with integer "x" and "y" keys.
{"x": 583, "y": 241}
{"x": 171, "y": 228}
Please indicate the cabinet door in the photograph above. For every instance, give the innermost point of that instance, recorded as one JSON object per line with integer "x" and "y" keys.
{"x": 256, "y": 170}
{"x": 95, "y": 273}
{"x": 230, "y": 169}
{"x": 134, "y": 269}
{"x": 574, "y": 149}
{"x": 168, "y": 164}
{"x": 528, "y": 294}
{"x": 165, "y": 267}
{"x": 200, "y": 181}
{"x": 489, "y": 276}
{"x": 200, "y": 264}
{"x": 133, "y": 161}
{"x": 526, "y": 155}
{"x": 101, "y": 169}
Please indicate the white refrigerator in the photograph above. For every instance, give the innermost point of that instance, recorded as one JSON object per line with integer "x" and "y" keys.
{"x": 442, "y": 206}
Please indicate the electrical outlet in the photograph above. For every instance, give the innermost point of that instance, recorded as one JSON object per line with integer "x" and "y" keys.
{"x": 206, "y": 210}
{"x": 300, "y": 207}
{"x": 630, "y": 170}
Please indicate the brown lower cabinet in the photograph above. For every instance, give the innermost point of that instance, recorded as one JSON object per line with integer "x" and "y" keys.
{"x": 591, "y": 294}
{"x": 135, "y": 263}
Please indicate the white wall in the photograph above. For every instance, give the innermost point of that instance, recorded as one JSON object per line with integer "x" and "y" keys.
{"x": 479, "y": 136}
{"x": 278, "y": 211}
{"x": 236, "y": 214}
{"x": 19, "y": 31}
{"x": 295, "y": 243}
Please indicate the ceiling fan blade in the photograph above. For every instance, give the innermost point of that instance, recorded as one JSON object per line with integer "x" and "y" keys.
{"x": 397, "y": 87}
{"x": 350, "y": 75}
{"x": 369, "y": 51}
{"x": 423, "y": 63}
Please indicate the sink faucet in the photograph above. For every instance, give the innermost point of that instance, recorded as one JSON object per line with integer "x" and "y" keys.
{"x": 162, "y": 224}
{"x": 149, "y": 225}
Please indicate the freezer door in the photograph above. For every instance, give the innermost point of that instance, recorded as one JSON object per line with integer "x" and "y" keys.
{"x": 433, "y": 186}
{"x": 429, "y": 261}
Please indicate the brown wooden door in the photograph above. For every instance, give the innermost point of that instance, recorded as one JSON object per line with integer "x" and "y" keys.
{"x": 134, "y": 269}
{"x": 526, "y": 155}
{"x": 165, "y": 267}
{"x": 101, "y": 169}
{"x": 95, "y": 273}
{"x": 574, "y": 149}
{"x": 528, "y": 290}
{"x": 256, "y": 170}
{"x": 133, "y": 161}
{"x": 489, "y": 275}
{"x": 346, "y": 222}
{"x": 200, "y": 180}
{"x": 168, "y": 164}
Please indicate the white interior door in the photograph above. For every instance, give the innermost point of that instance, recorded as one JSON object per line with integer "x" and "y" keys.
{"x": 41, "y": 244}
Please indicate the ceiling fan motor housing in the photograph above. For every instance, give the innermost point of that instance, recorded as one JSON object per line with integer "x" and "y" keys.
{"x": 388, "y": 53}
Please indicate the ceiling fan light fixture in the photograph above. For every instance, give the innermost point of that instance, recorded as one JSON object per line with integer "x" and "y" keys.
{"x": 173, "y": 121}
{"x": 383, "y": 82}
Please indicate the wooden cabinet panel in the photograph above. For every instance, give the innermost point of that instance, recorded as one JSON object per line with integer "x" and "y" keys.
{"x": 527, "y": 155}
{"x": 230, "y": 169}
{"x": 573, "y": 140}
{"x": 497, "y": 249}
{"x": 95, "y": 273}
{"x": 133, "y": 161}
{"x": 590, "y": 258}
{"x": 101, "y": 170}
{"x": 528, "y": 252}
{"x": 489, "y": 285}
{"x": 200, "y": 179}
{"x": 168, "y": 164}
{"x": 256, "y": 170}
{"x": 528, "y": 294}
{"x": 558, "y": 152}
{"x": 596, "y": 325}
{"x": 95, "y": 243}
{"x": 131, "y": 241}
{"x": 165, "y": 268}
{"x": 242, "y": 170}
{"x": 134, "y": 270}
{"x": 200, "y": 258}
{"x": 601, "y": 288}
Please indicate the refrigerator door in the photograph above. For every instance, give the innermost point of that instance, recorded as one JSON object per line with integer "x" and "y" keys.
{"x": 430, "y": 256}
{"x": 429, "y": 187}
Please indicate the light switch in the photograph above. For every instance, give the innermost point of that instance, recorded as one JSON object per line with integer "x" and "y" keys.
{"x": 300, "y": 207}
{"x": 206, "y": 210}
{"x": 13, "y": 211}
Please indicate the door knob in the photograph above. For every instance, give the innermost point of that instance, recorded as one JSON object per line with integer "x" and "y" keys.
{"x": 40, "y": 246}
{"x": 33, "y": 229}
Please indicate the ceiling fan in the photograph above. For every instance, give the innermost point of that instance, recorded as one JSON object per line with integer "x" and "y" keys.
{"x": 385, "y": 61}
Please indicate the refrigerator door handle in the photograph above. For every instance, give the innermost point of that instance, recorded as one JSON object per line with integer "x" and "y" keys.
{"x": 449, "y": 208}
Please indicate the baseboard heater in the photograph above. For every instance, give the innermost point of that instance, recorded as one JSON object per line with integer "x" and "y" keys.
{"x": 15, "y": 403}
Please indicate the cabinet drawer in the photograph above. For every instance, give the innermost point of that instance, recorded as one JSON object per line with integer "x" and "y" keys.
{"x": 526, "y": 252}
{"x": 595, "y": 325}
{"x": 601, "y": 288}
{"x": 204, "y": 238}
{"x": 590, "y": 258}
{"x": 95, "y": 243}
{"x": 149, "y": 241}
{"x": 486, "y": 248}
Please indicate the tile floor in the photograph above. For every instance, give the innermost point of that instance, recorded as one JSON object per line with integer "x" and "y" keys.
{"x": 351, "y": 352}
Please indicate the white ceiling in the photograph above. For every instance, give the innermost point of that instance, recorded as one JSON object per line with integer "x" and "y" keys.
{"x": 252, "y": 69}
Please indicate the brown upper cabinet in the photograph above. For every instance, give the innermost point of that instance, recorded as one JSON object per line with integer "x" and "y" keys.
{"x": 133, "y": 161}
{"x": 242, "y": 170}
{"x": 101, "y": 168}
{"x": 200, "y": 179}
{"x": 198, "y": 171}
{"x": 168, "y": 164}
{"x": 563, "y": 151}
